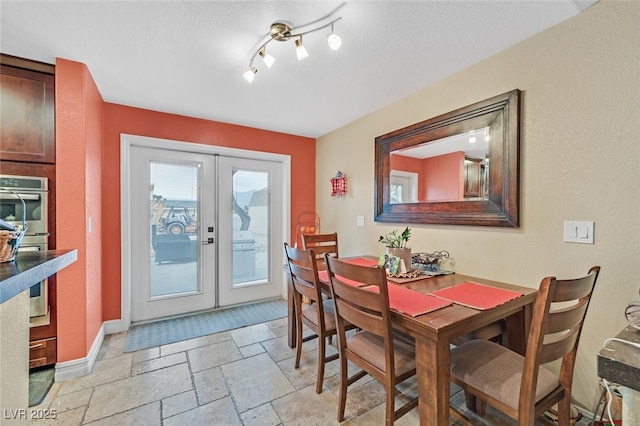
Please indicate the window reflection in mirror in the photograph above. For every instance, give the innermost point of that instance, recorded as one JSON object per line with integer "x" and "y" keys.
{"x": 455, "y": 168}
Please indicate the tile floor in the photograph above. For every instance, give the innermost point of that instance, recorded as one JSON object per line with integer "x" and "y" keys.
{"x": 239, "y": 377}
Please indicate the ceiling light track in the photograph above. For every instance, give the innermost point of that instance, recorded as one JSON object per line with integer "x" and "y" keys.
{"x": 282, "y": 32}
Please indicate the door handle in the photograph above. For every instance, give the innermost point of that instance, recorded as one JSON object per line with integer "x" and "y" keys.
{"x": 208, "y": 241}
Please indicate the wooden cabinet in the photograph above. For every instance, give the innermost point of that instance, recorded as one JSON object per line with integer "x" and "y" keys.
{"x": 42, "y": 352}
{"x": 472, "y": 178}
{"x": 27, "y": 111}
{"x": 27, "y": 148}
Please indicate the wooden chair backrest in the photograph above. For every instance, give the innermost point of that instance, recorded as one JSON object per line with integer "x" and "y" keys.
{"x": 365, "y": 307}
{"x": 559, "y": 313}
{"x": 304, "y": 274}
{"x": 321, "y": 244}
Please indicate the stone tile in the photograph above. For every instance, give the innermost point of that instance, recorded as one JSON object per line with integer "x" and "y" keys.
{"x": 184, "y": 345}
{"x": 306, "y": 375}
{"x": 115, "y": 345}
{"x": 252, "y": 334}
{"x": 305, "y": 407}
{"x": 210, "y": 385}
{"x": 219, "y": 337}
{"x": 220, "y": 412}
{"x": 363, "y": 398}
{"x": 66, "y": 418}
{"x": 148, "y": 414}
{"x": 71, "y": 400}
{"x": 263, "y": 415}
{"x": 213, "y": 355}
{"x": 158, "y": 363}
{"x": 105, "y": 371}
{"x": 177, "y": 404}
{"x": 136, "y": 391}
{"x": 255, "y": 381}
{"x": 279, "y": 323}
{"x": 251, "y": 350}
{"x": 281, "y": 331}
{"x": 376, "y": 416}
{"x": 146, "y": 354}
{"x": 277, "y": 348}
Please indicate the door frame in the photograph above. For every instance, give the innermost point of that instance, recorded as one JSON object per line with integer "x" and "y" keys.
{"x": 126, "y": 142}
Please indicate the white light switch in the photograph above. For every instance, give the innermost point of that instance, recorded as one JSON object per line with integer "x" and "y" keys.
{"x": 359, "y": 220}
{"x": 578, "y": 232}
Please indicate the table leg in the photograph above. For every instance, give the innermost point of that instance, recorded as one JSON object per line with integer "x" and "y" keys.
{"x": 433, "y": 382}
{"x": 517, "y": 328}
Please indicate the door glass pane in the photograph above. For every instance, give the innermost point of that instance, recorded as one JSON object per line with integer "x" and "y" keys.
{"x": 174, "y": 207}
{"x": 250, "y": 191}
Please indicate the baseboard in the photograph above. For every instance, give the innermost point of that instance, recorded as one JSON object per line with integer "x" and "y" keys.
{"x": 80, "y": 367}
{"x": 115, "y": 326}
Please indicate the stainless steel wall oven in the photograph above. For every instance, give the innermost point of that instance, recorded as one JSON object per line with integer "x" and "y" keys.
{"x": 35, "y": 193}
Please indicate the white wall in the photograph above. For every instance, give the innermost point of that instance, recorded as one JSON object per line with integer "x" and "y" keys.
{"x": 580, "y": 135}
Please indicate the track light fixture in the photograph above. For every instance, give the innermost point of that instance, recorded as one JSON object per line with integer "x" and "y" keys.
{"x": 280, "y": 31}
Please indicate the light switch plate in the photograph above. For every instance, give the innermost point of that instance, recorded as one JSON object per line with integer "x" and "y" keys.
{"x": 578, "y": 232}
{"x": 359, "y": 220}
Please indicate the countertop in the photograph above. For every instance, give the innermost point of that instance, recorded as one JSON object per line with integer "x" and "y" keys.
{"x": 619, "y": 362}
{"x": 30, "y": 268}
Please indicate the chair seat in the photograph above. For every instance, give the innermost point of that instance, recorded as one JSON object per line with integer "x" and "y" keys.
{"x": 310, "y": 313}
{"x": 371, "y": 348}
{"x": 496, "y": 371}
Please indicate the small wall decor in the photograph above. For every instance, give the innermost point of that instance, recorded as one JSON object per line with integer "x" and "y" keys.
{"x": 339, "y": 185}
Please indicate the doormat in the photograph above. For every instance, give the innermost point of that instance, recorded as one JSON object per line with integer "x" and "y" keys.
{"x": 163, "y": 332}
{"x": 40, "y": 381}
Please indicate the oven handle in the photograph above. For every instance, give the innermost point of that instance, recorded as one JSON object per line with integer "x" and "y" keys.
{"x": 29, "y": 197}
{"x": 24, "y": 210}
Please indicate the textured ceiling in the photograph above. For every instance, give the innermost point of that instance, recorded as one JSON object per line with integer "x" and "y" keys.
{"x": 187, "y": 57}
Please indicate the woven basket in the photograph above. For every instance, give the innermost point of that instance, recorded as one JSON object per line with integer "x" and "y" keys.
{"x": 10, "y": 240}
{"x": 9, "y": 243}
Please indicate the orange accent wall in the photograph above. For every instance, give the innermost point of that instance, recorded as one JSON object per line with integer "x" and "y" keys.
{"x": 78, "y": 182}
{"x": 439, "y": 178}
{"x": 88, "y": 185}
{"x": 443, "y": 177}
{"x": 122, "y": 119}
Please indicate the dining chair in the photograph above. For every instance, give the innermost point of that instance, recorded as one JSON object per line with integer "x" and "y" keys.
{"x": 520, "y": 386}
{"x": 321, "y": 244}
{"x": 387, "y": 355}
{"x": 318, "y": 314}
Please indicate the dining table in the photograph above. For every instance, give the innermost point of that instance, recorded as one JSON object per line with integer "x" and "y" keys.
{"x": 435, "y": 331}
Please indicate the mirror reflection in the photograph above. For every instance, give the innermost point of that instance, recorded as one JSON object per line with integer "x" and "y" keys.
{"x": 455, "y": 168}
{"x": 459, "y": 168}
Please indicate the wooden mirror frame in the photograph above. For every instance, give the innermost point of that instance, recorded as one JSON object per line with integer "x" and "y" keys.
{"x": 502, "y": 206}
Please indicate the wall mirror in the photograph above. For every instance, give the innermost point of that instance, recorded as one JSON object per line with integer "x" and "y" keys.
{"x": 459, "y": 168}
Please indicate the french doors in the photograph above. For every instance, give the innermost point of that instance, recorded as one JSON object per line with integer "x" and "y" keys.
{"x": 205, "y": 231}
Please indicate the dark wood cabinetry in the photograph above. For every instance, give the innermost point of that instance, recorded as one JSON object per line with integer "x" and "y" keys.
{"x": 472, "y": 178}
{"x": 27, "y": 111}
{"x": 27, "y": 148}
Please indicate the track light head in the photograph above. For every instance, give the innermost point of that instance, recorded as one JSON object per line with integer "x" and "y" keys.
{"x": 301, "y": 52}
{"x": 250, "y": 74}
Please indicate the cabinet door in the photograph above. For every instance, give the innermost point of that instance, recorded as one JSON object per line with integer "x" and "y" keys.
{"x": 471, "y": 179}
{"x": 27, "y": 127}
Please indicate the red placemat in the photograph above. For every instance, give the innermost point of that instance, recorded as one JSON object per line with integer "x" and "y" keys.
{"x": 477, "y": 296}
{"x": 411, "y": 302}
{"x": 362, "y": 261}
{"x": 324, "y": 276}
